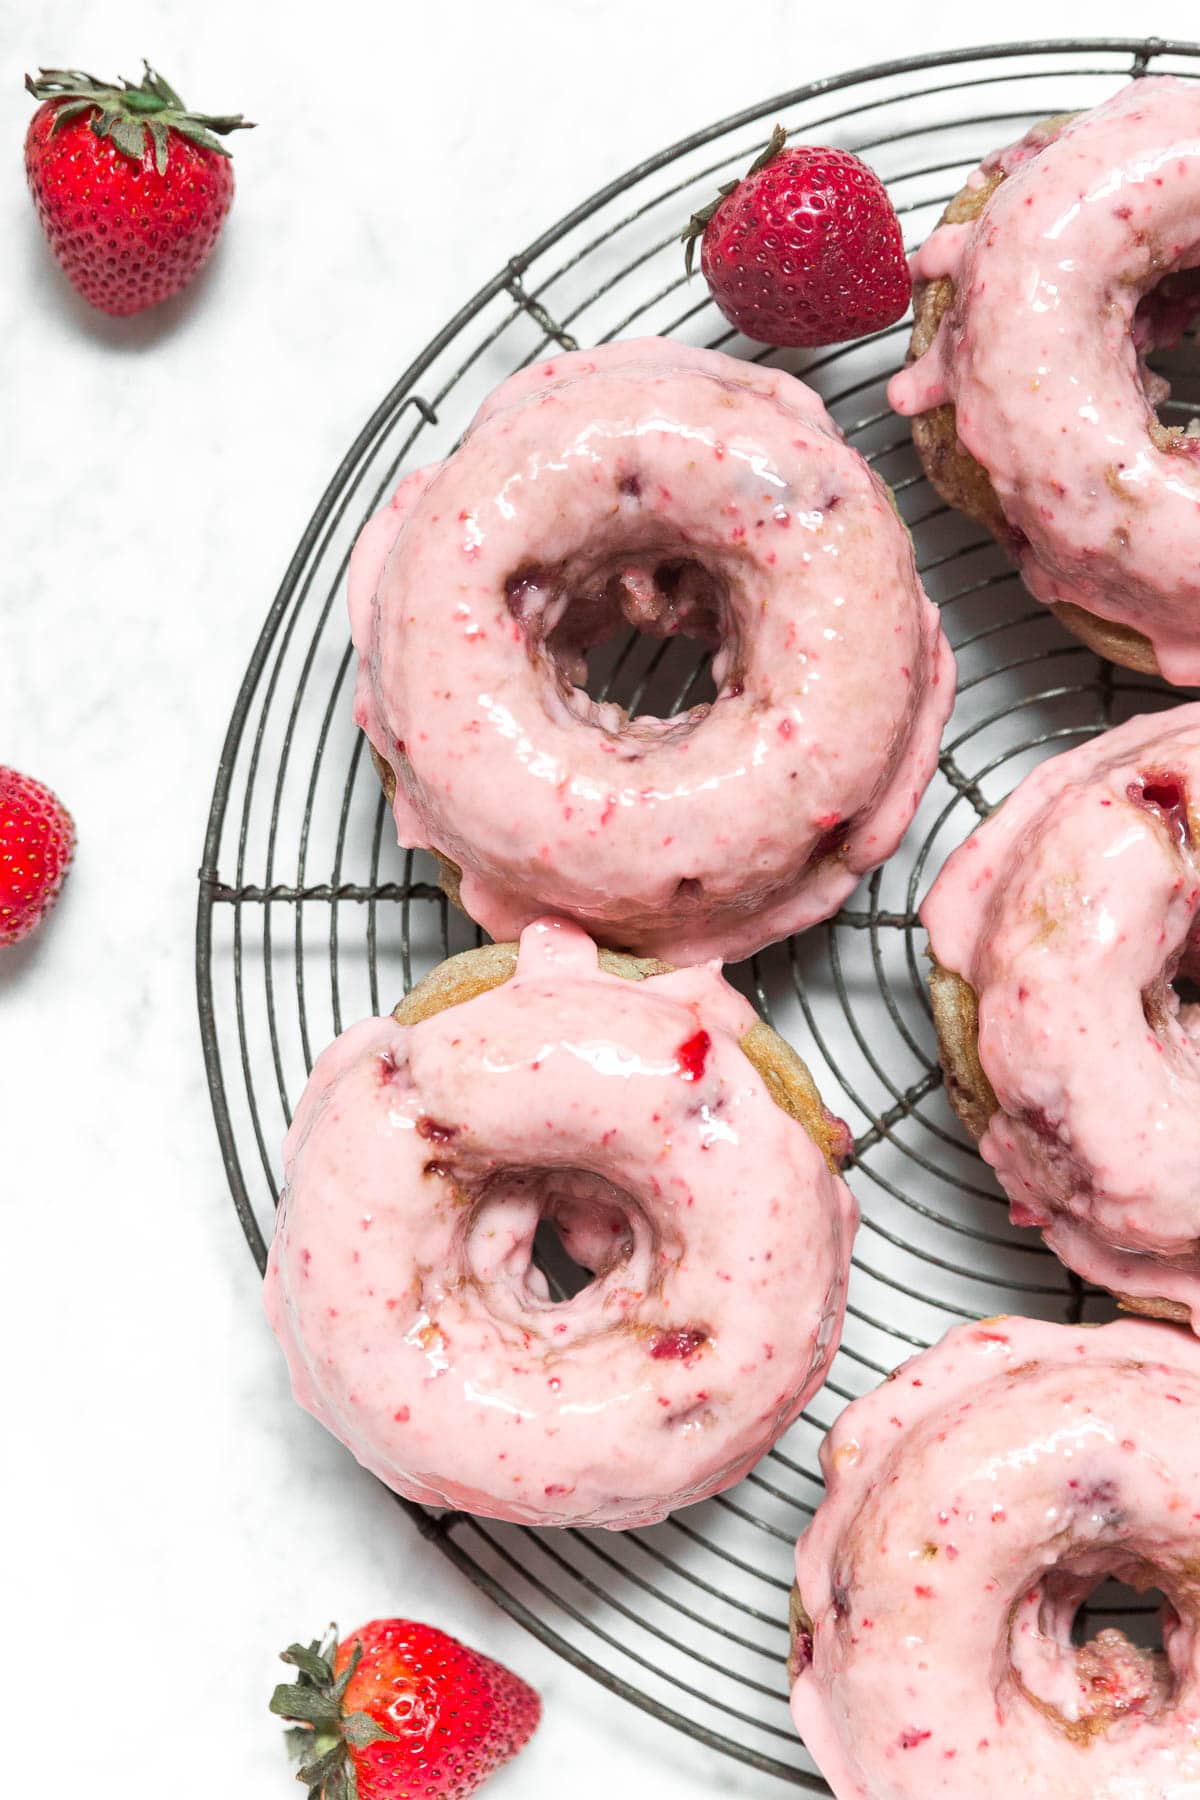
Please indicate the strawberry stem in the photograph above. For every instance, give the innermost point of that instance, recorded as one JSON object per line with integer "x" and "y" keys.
{"x": 126, "y": 113}
{"x": 695, "y": 226}
{"x": 327, "y": 1732}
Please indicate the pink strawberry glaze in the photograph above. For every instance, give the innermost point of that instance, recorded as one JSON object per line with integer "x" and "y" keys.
{"x": 474, "y": 593}
{"x": 1040, "y": 355}
{"x": 1069, "y": 911}
{"x": 418, "y": 1165}
{"x": 974, "y": 1500}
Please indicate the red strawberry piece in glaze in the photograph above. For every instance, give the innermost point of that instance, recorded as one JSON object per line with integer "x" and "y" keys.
{"x": 806, "y": 249}
{"x": 692, "y": 1055}
{"x": 678, "y": 1346}
{"x": 1165, "y": 793}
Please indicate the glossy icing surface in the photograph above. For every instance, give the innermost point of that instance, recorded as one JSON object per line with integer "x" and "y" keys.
{"x": 1041, "y": 355}
{"x": 974, "y": 1501}
{"x": 1070, "y": 911}
{"x": 682, "y": 491}
{"x": 418, "y": 1167}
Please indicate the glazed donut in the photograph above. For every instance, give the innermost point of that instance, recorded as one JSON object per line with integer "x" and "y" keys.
{"x": 974, "y": 1502}
{"x": 1057, "y": 930}
{"x": 684, "y": 492}
{"x": 1054, "y": 272}
{"x": 681, "y": 1150}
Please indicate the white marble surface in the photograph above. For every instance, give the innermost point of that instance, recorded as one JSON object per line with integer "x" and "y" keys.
{"x": 166, "y": 1501}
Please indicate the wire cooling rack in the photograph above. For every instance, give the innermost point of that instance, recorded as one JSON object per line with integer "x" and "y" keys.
{"x": 310, "y": 918}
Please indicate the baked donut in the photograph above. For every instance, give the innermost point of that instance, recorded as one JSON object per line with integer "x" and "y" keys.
{"x": 683, "y": 492}
{"x": 1053, "y": 273}
{"x": 1056, "y": 931}
{"x": 679, "y": 1147}
{"x": 973, "y": 1502}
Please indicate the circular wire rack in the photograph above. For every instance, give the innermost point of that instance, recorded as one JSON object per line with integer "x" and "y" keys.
{"x": 309, "y": 916}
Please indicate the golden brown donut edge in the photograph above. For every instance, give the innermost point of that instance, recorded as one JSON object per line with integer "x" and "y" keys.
{"x": 962, "y": 481}
{"x": 799, "y": 1626}
{"x": 956, "y": 1016}
{"x": 788, "y": 1081}
{"x": 449, "y": 873}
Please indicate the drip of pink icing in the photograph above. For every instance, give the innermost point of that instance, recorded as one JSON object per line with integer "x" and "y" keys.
{"x": 941, "y": 252}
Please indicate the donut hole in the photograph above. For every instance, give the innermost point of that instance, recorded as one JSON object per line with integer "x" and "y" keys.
{"x": 541, "y": 1237}
{"x": 564, "y": 1276}
{"x": 1183, "y": 983}
{"x": 1164, "y": 317}
{"x": 1173, "y": 1002}
{"x": 1171, "y": 999}
{"x": 1163, "y": 792}
{"x": 1115, "y": 1605}
{"x": 1090, "y": 1642}
{"x": 631, "y": 641}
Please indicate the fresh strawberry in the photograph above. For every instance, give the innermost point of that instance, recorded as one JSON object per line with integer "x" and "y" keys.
{"x": 401, "y": 1711}
{"x": 805, "y": 249}
{"x": 131, "y": 188}
{"x": 37, "y": 839}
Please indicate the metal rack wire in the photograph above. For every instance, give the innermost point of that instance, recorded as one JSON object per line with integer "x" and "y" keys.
{"x": 309, "y": 917}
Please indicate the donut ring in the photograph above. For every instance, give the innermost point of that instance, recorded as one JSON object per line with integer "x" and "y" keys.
{"x": 973, "y": 1502}
{"x": 684, "y": 492}
{"x": 681, "y": 1149}
{"x": 1056, "y": 932}
{"x": 956, "y": 1016}
{"x": 1026, "y": 379}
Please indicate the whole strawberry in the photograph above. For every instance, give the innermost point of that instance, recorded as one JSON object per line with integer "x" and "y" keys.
{"x": 37, "y": 839}
{"x": 131, "y": 188}
{"x": 401, "y": 1711}
{"x": 805, "y": 249}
